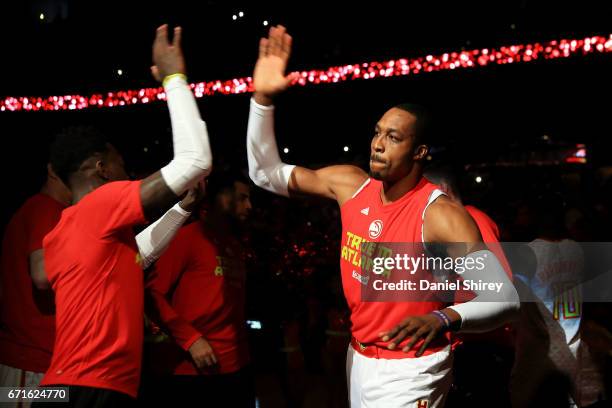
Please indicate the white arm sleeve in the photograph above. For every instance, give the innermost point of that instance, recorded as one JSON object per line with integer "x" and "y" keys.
{"x": 489, "y": 309}
{"x": 265, "y": 166}
{"x": 192, "y": 156}
{"x": 154, "y": 240}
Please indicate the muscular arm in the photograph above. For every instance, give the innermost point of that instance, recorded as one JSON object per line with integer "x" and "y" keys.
{"x": 266, "y": 169}
{"x": 154, "y": 240}
{"x": 448, "y": 222}
{"x": 192, "y": 156}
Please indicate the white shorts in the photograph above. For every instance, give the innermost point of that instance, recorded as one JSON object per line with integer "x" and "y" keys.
{"x": 421, "y": 382}
{"x": 15, "y": 377}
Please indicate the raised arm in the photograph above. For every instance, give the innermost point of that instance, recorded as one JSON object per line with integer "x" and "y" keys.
{"x": 266, "y": 168}
{"x": 192, "y": 156}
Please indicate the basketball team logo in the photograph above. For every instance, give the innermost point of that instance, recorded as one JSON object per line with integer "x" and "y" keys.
{"x": 423, "y": 403}
{"x": 375, "y": 229}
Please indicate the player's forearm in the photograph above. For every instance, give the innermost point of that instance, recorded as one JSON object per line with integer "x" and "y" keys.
{"x": 192, "y": 155}
{"x": 489, "y": 309}
{"x": 154, "y": 240}
{"x": 266, "y": 168}
{"x": 183, "y": 333}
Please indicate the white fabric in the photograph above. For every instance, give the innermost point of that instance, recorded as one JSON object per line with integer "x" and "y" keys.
{"x": 265, "y": 166}
{"x": 154, "y": 240}
{"x": 406, "y": 382}
{"x": 365, "y": 183}
{"x": 432, "y": 197}
{"x": 489, "y": 309}
{"x": 559, "y": 272}
{"x": 15, "y": 377}
{"x": 192, "y": 156}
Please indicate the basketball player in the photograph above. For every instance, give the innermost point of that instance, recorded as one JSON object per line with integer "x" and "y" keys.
{"x": 91, "y": 256}
{"x": 207, "y": 358}
{"x": 399, "y": 353}
{"x": 27, "y": 319}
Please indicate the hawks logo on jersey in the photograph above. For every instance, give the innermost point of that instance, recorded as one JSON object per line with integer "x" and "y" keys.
{"x": 375, "y": 229}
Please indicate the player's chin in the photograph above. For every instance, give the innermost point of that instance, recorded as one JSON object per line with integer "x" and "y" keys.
{"x": 377, "y": 174}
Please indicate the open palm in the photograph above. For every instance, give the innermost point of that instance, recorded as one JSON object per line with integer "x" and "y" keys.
{"x": 269, "y": 77}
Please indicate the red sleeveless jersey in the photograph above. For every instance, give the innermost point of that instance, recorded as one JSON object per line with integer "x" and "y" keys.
{"x": 366, "y": 219}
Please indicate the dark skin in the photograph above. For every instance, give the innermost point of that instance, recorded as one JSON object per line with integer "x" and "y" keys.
{"x": 155, "y": 195}
{"x": 232, "y": 204}
{"x": 396, "y": 160}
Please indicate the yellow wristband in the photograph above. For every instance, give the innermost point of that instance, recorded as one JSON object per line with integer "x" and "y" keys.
{"x": 170, "y": 77}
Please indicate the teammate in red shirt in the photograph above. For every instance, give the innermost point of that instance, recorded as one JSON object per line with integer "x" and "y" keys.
{"x": 208, "y": 354}
{"x": 444, "y": 177}
{"x": 388, "y": 364}
{"x": 91, "y": 257}
{"x": 491, "y": 351}
{"x": 27, "y": 319}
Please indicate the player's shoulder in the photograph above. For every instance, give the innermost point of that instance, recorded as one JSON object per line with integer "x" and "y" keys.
{"x": 347, "y": 180}
{"x": 447, "y": 213}
{"x": 114, "y": 190}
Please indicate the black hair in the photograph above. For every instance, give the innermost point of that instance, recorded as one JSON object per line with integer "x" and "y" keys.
{"x": 223, "y": 181}
{"x": 72, "y": 146}
{"x": 423, "y": 127}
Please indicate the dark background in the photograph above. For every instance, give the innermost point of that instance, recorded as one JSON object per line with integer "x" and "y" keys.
{"x": 483, "y": 113}
{"x": 510, "y": 124}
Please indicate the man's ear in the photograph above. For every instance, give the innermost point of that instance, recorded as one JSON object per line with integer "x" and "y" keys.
{"x": 51, "y": 173}
{"x": 420, "y": 152}
{"x": 102, "y": 169}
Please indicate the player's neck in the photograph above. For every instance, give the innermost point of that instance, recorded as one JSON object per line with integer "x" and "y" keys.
{"x": 57, "y": 192}
{"x": 394, "y": 191}
{"x": 83, "y": 187}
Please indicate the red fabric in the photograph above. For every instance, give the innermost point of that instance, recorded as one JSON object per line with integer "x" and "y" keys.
{"x": 92, "y": 262}
{"x": 198, "y": 289}
{"x": 401, "y": 222}
{"x": 26, "y": 335}
{"x": 490, "y": 235}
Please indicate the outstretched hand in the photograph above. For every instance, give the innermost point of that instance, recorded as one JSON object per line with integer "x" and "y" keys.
{"x": 167, "y": 56}
{"x": 269, "y": 78}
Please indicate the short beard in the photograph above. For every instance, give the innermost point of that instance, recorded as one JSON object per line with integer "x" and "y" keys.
{"x": 376, "y": 175}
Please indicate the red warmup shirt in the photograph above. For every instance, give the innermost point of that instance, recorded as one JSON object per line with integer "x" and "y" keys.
{"x": 26, "y": 335}
{"x": 92, "y": 262}
{"x": 490, "y": 236}
{"x": 366, "y": 219}
{"x": 198, "y": 289}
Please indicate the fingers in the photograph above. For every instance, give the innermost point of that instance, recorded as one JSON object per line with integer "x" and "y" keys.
{"x": 207, "y": 360}
{"x": 428, "y": 340}
{"x": 388, "y": 335}
{"x": 161, "y": 35}
{"x": 176, "y": 40}
{"x": 263, "y": 47}
{"x": 276, "y": 38}
{"x": 155, "y": 73}
{"x": 291, "y": 78}
{"x": 399, "y": 337}
{"x": 278, "y": 43}
{"x": 285, "y": 49}
{"x": 210, "y": 359}
{"x": 415, "y": 337}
